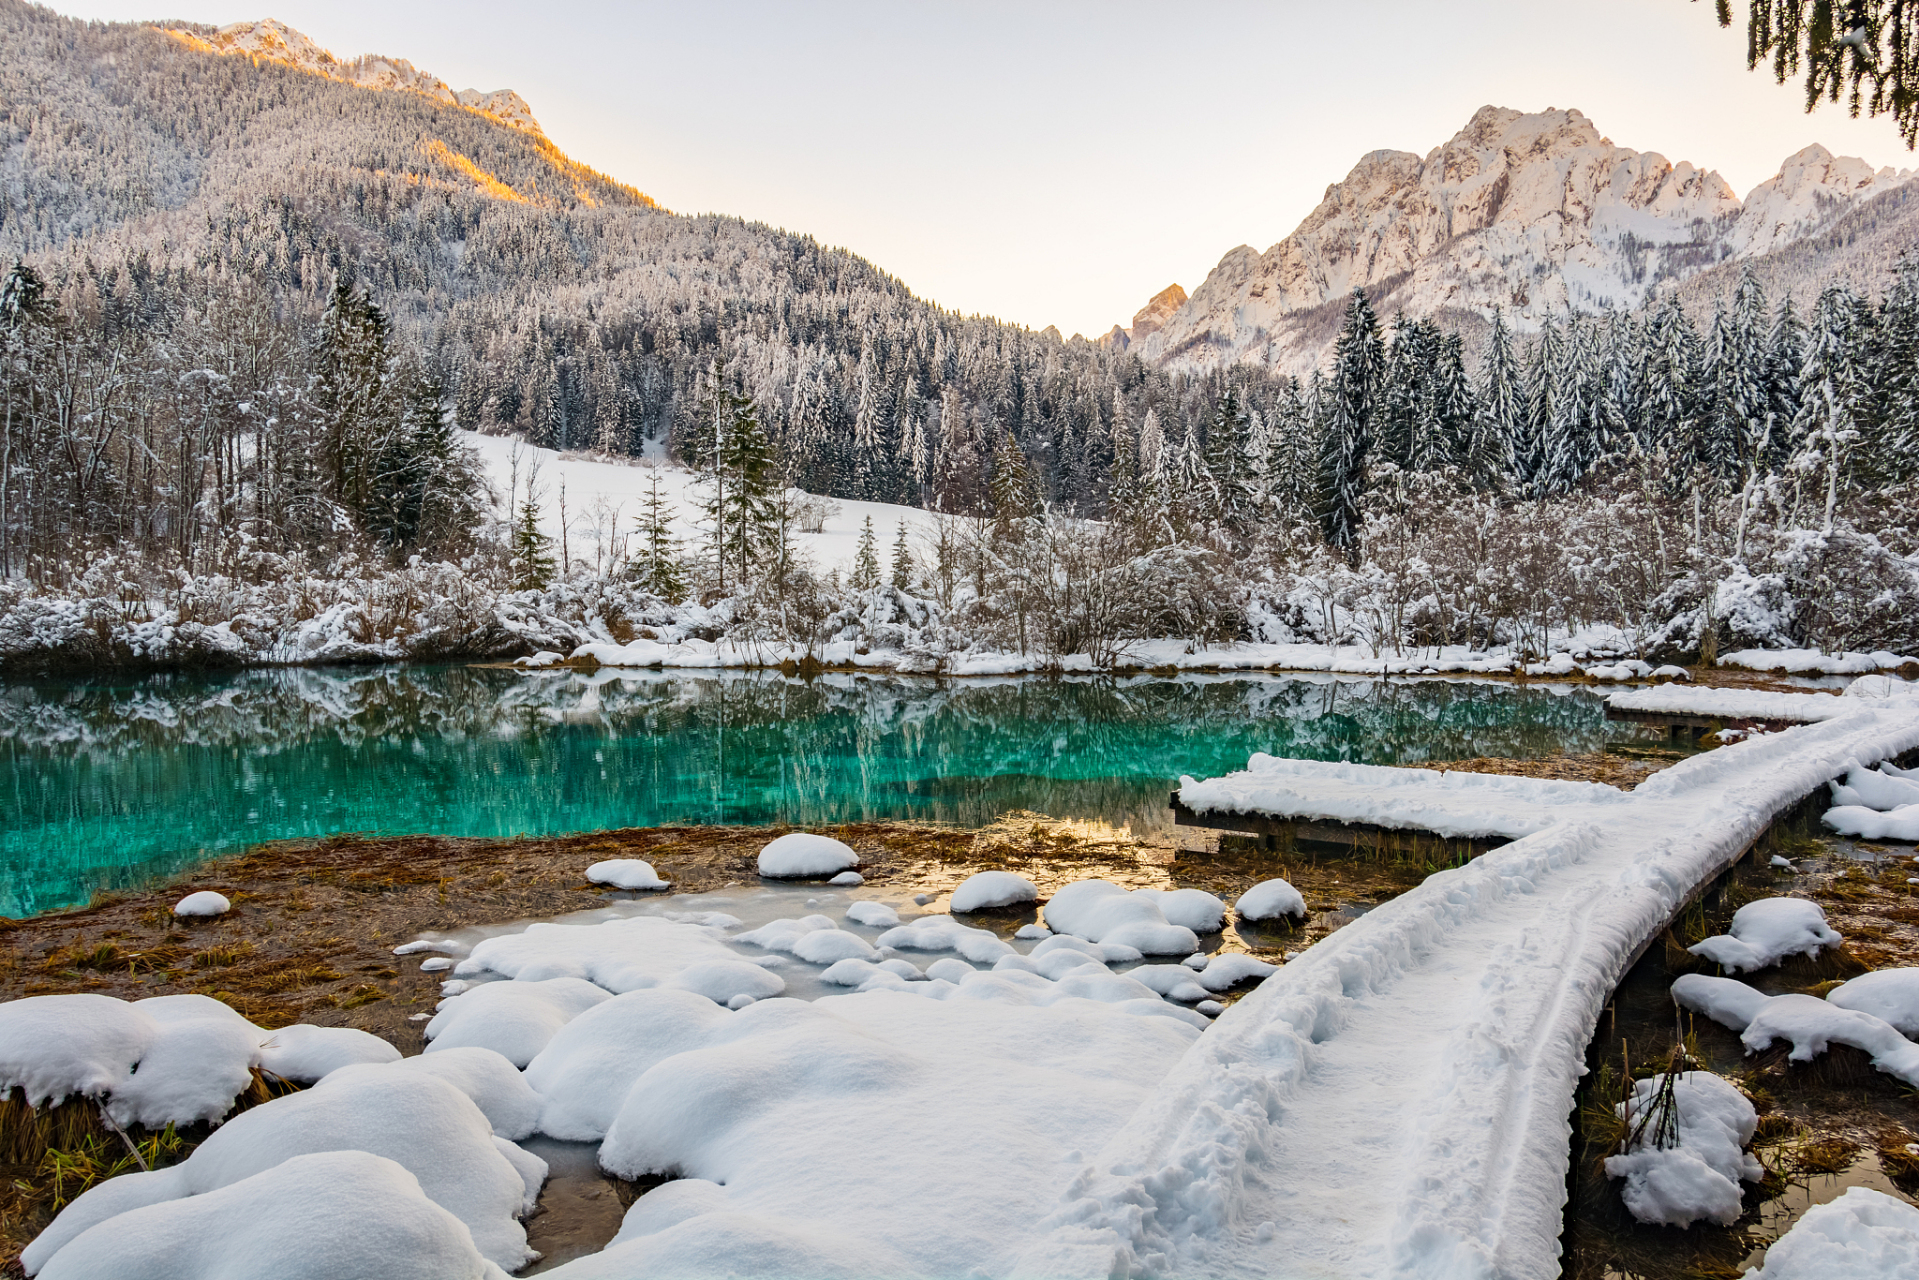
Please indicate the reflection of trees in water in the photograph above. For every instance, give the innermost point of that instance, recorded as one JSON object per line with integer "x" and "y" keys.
{"x": 107, "y": 774}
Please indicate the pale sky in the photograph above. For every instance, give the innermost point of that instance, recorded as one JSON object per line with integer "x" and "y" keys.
{"x": 1059, "y": 163}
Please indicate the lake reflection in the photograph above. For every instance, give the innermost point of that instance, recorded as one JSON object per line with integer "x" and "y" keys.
{"x": 112, "y": 781}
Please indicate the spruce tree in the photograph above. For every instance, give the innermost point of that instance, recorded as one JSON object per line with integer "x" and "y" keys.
{"x": 532, "y": 550}
{"x": 358, "y": 415}
{"x": 1353, "y": 404}
{"x": 656, "y": 567}
{"x": 1499, "y": 428}
{"x": 903, "y": 566}
{"x": 866, "y": 564}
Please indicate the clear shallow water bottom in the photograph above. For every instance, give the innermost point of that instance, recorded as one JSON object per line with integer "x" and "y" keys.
{"x": 111, "y": 781}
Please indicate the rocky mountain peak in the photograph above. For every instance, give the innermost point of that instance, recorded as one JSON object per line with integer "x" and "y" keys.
{"x": 271, "y": 40}
{"x": 1157, "y": 311}
{"x": 1529, "y": 212}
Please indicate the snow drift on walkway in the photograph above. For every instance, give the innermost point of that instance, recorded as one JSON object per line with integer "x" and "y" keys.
{"x": 1393, "y": 1102}
{"x": 1731, "y": 704}
{"x": 1454, "y": 805}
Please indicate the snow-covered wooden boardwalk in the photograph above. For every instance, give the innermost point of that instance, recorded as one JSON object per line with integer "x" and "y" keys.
{"x": 1396, "y": 1102}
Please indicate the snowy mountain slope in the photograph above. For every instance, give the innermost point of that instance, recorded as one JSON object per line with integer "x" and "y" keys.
{"x": 1527, "y": 212}
{"x": 274, "y": 41}
{"x": 604, "y": 498}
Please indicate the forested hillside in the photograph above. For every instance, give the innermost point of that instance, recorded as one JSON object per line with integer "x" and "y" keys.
{"x": 252, "y": 302}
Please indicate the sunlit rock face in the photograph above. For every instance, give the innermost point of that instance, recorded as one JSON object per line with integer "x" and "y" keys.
{"x": 1529, "y": 213}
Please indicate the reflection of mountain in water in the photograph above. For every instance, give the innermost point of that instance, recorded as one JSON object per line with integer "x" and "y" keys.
{"x": 111, "y": 780}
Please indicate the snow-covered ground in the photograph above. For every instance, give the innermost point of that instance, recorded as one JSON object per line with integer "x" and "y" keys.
{"x": 605, "y": 496}
{"x": 1392, "y": 1103}
{"x": 1395, "y": 1102}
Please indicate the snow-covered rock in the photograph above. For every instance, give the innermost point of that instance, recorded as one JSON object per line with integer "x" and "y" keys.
{"x": 1193, "y": 909}
{"x": 1228, "y": 970}
{"x": 312, "y": 1217}
{"x": 1863, "y": 1235}
{"x": 943, "y": 933}
{"x": 1270, "y": 900}
{"x": 1101, "y": 911}
{"x": 801, "y": 854}
{"x": 514, "y": 1019}
{"x": 423, "y": 1123}
{"x": 626, "y": 873}
{"x": 1808, "y": 1023}
{"x": 1765, "y": 932}
{"x": 874, "y": 915}
{"x": 1698, "y": 1176}
{"x": 304, "y": 1054}
{"x": 1891, "y": 995}
{"x": 1870, "y": 824}
{"x": 988, "y": 889}
{"x": 203, "y": 904}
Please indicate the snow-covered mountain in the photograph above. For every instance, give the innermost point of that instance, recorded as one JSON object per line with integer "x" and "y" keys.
{"x": 1527, "y": 212}
{"x": 274, "y": 41}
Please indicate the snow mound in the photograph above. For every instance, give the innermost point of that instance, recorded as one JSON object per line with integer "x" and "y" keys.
{"x": 829, "y": 946}
{"x": 1228, "y": 970}
{"x": 1881, "y": 687}
{"x": 369, "y": 1211}
{"x": 1873, "y": 789}
{"x": 1193, "y": 909}
{"x": 514, "y": 1019}
{"x": 1173, "y": 981}
{"x": 801, "y": 854}
{"x": 874, "y": 915}
{"x": 618, "y": 955}
{"x": 425, "y": 1124}
{"x": 626, "y": 873}
{"x": 1698, "y": 1175}
{"x": 943, "y": 933}
{"x": 166, "y": 1060}
{"x": 1869, "y": 824}
{"x": 784, "y": 934}
{"x": 1806, "y": 662}
{"x": 1101, "y": 911}
{"x": 1269, "y": 900}
{"x": 1767, "y": 931}
{"x": 1863, "y": 1235}
{"x": 302, "y": 1053}
{"x": 1808, "y": 1023}
{"x": 496, "y": 1087}
{"x": 989, "y": 889}
{"x": 202, "y": 904}
{"x": 1454, "y": 805}
{"x": 848, "y": 878}
{"x": 1890, "y": 995}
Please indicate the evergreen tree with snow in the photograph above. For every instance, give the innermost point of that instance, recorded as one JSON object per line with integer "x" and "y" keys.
{"x": 866, "y": 563}
{"x": 1500, "y": 423}
{"x": 740, "y": 473}
{"x": 1352, "y": 405}
{"x": 656, "y": 567}
{"x": 903, "y": 566}
{"x": 531, "y": 550}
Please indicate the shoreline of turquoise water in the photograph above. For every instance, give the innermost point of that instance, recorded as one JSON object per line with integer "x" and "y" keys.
{"x": 113, "y": 781}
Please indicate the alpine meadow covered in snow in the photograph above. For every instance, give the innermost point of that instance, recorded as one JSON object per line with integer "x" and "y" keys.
{"x": 549, "y": 735}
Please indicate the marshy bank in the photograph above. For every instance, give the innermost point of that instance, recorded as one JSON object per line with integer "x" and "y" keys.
{"x": 1824, "y": 1125}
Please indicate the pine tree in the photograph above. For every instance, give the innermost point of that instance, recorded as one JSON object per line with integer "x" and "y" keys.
{"x": 1225, "y": 463}
{"x": 1015, "y": 495}
{"x": 1830, "y": 384}
{"x": 656, "y": 567}
{"x": 358, "y": 414}
{"x": 740, "y": 469}
{"x": 903, "y": 566}
{"x": 1353, "y": 402}
{"x": 866, "y": 564}
{"x": 1499, "y": 427}
{"x": 532, "y": 551}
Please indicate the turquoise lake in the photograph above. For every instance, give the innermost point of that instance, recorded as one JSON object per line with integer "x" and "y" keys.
{"x": 109, "y": 782}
